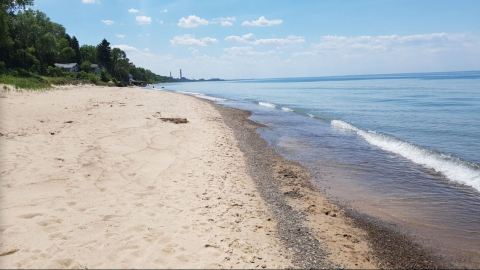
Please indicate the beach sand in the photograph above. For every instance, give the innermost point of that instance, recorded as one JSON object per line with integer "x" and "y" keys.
{"x": 92, "y": 177}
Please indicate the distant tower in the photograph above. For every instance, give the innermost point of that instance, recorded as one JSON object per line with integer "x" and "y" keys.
{"x": 170, "y": 74}
{"x": 181, "y": 76}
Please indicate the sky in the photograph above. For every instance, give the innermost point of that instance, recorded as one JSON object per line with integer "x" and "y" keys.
{"x": 279, "y": 38}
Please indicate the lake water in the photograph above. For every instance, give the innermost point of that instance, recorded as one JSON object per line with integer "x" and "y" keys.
{"x": 402, "y": 147}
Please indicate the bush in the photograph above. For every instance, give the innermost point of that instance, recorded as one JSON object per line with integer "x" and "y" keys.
{"x": 104, "y": 76}
{"x": 28, "y": 82}
{"x": 22, "y": 73}
{"x": 88, "y": 77}
{"x": 54, "y": 71}
{"x": 60, "y": 80}
{"x": 3, "y": 68}
{"x": 86, "y": 66}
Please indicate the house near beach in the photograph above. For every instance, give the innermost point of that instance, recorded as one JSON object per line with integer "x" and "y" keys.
{"x": 68, "y": 67}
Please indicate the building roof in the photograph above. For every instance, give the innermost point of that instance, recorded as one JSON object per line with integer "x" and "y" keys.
{"x": 67, "y": 65}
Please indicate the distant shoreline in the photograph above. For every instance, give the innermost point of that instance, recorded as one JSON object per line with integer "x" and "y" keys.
{"x": 408, "y": 75}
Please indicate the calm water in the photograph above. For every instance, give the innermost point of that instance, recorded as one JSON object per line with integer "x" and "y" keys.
{"x": 405, "y": 148}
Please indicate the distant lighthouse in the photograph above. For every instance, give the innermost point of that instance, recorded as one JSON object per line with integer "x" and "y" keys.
{"x": 170, "y": 74}
{"x": 181, "y": 76}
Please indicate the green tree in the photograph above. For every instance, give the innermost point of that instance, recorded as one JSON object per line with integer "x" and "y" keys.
{"x": 47, "y": 49}
{"x": 34, "y": 29}
{"x": 88, "y": 53}
{"x": 122, "y": 70}
{"x": 117, "y": 54}
{"x": 67, "y": 55}
{"x": 104, "y": 55}
{"x": 6, "y": 42}
{"x": 31, "y": 43}
{"x": 86, "y": 66}
{"x": 76, "y": 48}
{"x": 121, "y": 65}
{"x": 13, "y": 5}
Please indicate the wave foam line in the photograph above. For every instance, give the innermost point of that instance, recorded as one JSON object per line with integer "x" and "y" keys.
{"x": 202, "y": 96}
{"x": 453, "y": 168}
{"x": 266, "y": 104}
{"x": 286, "y": 109}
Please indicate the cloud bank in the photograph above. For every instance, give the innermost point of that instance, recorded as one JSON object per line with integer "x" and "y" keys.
{"x": 252, "y": 57}
{"x": 143, "y": 20}
{"x": 190, "y": 40}
{"x": 262, "y": 22}
{"x": 192, "y": 21}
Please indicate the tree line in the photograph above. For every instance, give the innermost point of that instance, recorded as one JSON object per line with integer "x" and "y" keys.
{"x": 31, "y": 43}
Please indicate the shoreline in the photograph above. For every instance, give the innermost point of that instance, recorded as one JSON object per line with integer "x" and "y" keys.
{"x": 388, "y": 247}
{"x": 93, "y": 177}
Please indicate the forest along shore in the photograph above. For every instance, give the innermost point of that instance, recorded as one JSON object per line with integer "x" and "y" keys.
{"x": 105, "y": 177}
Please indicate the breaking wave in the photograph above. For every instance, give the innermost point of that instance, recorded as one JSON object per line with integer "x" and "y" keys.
{"x": 202, "y": 96}
{"x": 453, "y": 168}
{"x": 266, "y": 104}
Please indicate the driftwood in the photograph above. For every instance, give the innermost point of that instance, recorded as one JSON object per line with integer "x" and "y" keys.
{"x": 175, "y": 120}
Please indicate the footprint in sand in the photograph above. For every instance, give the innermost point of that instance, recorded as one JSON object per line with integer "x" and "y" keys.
{"x": 47, "y": 222}
{"x": 30, "y": 216}
{"x": 64, "y": 263}
{"x": 57, "y": 236}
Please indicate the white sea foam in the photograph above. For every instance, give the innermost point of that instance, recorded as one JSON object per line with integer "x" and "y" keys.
{"x": 286, "y": 109}
{"x": 202, "y": 96}
{"x": 210, "y": 98}
{"x": 453, "y": 168}
{"x": 343, "y": 125}
{"x": 266, "y": 104}
{"x": 311, "y": 115}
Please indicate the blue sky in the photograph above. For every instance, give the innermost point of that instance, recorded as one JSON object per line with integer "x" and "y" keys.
{"x": 251, "y": 39}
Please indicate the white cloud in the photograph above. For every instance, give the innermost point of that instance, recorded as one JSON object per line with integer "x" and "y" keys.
{"x": 262, "y": 22}
{"x": 192, "y": 41}
{"x": 248, "y": 39}
{"x": 384, "y": 43}
{"x": 194, "y": 51}
{"x": 289, "y": 40}
{"x": 143, "y": 20}
{"x": 88, "y": 1}
{"x": 332, "y": 55}
{"x": 224, "y": 21}
{"x": 126, "y": 48}
{"x": 108, "y": 22}
{"x": 245, "y": 51}
{"x": 121, "y": 36}
{"x": 133, "y": 10}
{"x": 192, "y": 21}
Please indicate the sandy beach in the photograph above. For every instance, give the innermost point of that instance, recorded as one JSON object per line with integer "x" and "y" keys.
{"x": 94, "y": 177}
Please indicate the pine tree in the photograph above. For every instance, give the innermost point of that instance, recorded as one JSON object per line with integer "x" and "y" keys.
{"x": 76, "y": 48}
{"x": 104, "y": 55}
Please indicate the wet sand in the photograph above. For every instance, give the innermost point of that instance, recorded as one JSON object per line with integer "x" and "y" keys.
{"x": 314, "y": 227}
